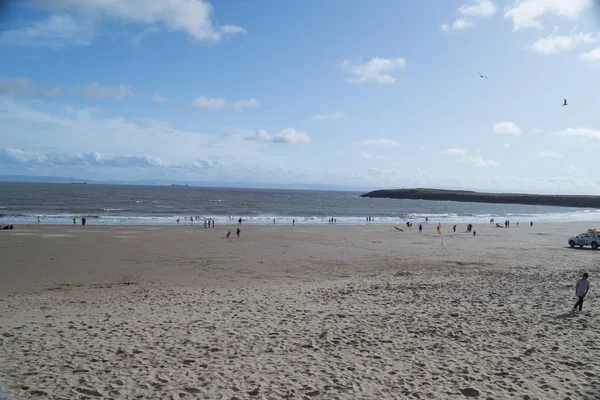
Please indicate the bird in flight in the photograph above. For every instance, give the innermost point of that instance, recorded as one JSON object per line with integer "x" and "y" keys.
{"x": 482, "y": 76}
{"x": 565, "y": 103}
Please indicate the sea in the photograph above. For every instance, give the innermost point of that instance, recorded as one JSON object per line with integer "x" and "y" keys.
{"x": 54, "y": 203}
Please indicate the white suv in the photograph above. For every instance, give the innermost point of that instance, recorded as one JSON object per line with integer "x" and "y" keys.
{"x": 585, "y": 239}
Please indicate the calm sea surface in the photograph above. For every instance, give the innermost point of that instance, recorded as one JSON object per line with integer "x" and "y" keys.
{"x": 151, "y": 205}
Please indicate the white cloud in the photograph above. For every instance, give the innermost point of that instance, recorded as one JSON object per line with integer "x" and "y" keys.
{"x": 583, "y": 133}
{"x": 456, "y": 152}
{"x": 590, "y": 56}
{"x": 333, "y": 115}
{"x": 216, "y": 103}
{"x": 143, "y": 35}
{"x": 233, "y": 29}
{"x": 23, "y": 87}
{"x": 461, "y": 23}
{"x": 83, "y": 130}
{"x": 369, "y": 156}
{"x": 157, "y": 98}
{"x": 463, "y": 156}
{"x": 239, "y": 105}
{"x": 527, "y": 13}
{"x": 15, "y": 86}
{"x": 478, "y": 161}
{"x": 549, "y": 154}
{"x": 209, "y": 103}
{"x": 36, "y": 159}
{"x": 507, "y": 128}
{"x": 56, "y": 31}
{"x": 555, "y": 43}
{"x": 377, "y": 70}
{"x": 381, "y": 142}
{"x": 286, "y": 136}
{"x": 95, "y": 92}
{"x": 479, "y": 8}
{"x": 78, "y": 20}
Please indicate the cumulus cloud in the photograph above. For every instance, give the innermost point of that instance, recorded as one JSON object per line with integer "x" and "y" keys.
{"x": 463, "y": 156}
{"x": 461, "y": 23}
{"x": 286, "y": 136}
{"x": 95, "y": 92}
{"x": 209, "y": 103}
{"x": 56, "y": 31}
{"x": 376, "y": 71}
{"x": 528, "y": 13}
{"x": 217, "y": 103}
{"x": 590, "y": 56}
{"x": 239, "y": 105}
{"x": 369, "y": 156}
{"x": 476, "y": 8}
{"x": 157, "y": 98}
{"x": 232, "y": 29}
{"x": 381, "y": 142}
{"x": 456, "y": 152}
{"x": 333, "y": 115}
{"x": 556, "y": 43}
{"x": 10, "y": 156}
{"x": 23, "y": 87}
{"x": 76, "y": 20}
{"x": 507, "y": 128}
{"x": 582, "y": 133}
{"x": 478, "y": 161}
{"x": 143, "y": 35}
{"x": 549, "y": 154}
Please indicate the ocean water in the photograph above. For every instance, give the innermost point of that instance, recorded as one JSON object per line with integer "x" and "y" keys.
{"x": 22, "y": 203}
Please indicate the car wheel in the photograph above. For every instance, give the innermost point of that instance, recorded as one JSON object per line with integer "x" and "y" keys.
{"x": 594, "y": 245}
{"x": 571, "y": 243}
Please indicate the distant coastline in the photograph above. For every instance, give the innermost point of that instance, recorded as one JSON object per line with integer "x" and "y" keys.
{"x": 495, "y": 198}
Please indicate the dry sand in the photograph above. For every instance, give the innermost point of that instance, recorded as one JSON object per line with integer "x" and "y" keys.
{"x": 318, "y": 312}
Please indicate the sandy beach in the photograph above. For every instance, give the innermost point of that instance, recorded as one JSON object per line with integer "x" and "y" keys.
{"x": 303, "y": 312}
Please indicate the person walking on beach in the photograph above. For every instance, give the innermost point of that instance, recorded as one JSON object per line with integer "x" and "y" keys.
{"x": 293, "y": 222}
{"x": 74, "y": 221}
{"x": 581, "y": 289}
{"x": 238, "y": 232}
{"x": 454, "y": 228}
{"x": 420, "y": 228}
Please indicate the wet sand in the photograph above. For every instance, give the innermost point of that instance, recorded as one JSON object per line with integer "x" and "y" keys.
{"x": 304, "y": 312}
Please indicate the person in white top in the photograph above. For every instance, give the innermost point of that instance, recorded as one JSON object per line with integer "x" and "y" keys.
{"x": 581, "y": 289}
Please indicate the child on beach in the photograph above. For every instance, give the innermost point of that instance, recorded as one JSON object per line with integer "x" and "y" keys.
{"x": 581, "y": 290}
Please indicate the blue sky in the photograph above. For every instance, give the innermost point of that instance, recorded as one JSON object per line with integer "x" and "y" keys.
{"x": 347, "y": 92}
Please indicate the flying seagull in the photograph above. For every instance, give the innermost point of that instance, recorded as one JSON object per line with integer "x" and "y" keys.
{"x": 482, "y": 76}
{"x": 565, "y": 103}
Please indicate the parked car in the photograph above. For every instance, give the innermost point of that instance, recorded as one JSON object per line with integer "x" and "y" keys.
{"x": 590, "y": 238}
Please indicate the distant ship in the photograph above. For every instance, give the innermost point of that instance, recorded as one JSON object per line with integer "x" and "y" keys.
{"x": 180, "y": 185}
{"x": 79, "y": 183}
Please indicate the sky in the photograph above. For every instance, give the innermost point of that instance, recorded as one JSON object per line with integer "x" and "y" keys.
{"x": 377, "y": 94}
